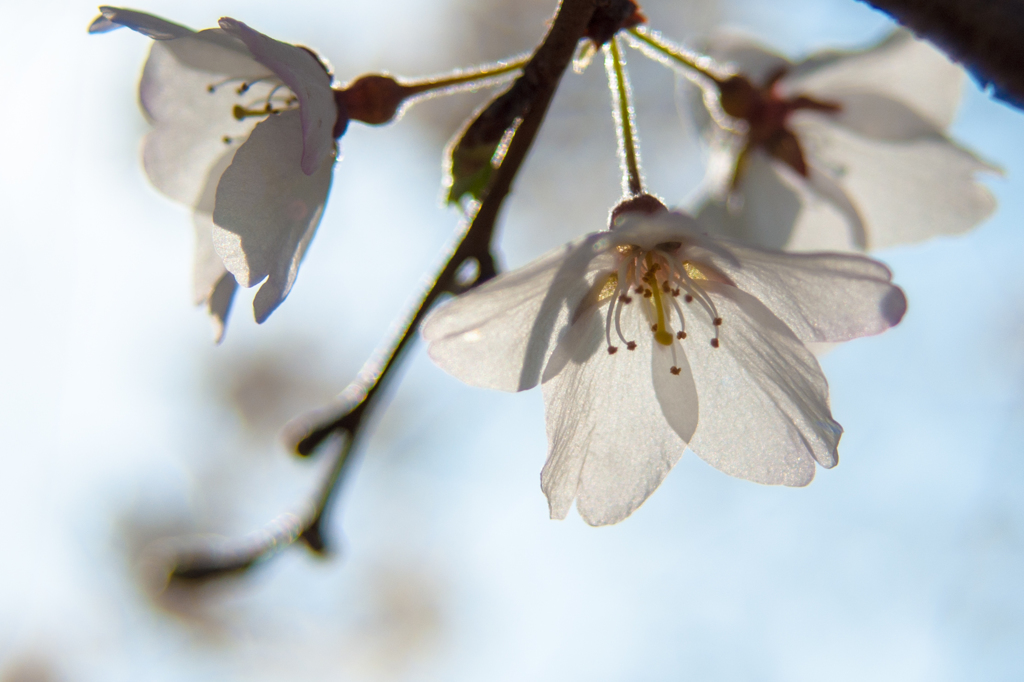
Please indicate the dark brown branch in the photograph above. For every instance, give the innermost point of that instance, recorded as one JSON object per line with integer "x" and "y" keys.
{"x": 348, "y": 418}
{"x": 986, "y": 36}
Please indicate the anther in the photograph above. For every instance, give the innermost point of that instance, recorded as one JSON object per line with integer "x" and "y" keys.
{"x": 675, "y": 292}
{"x": 625, "y": 299}
{"x": 226, "y": 139}
{"x": 714, "y": 343}
{"x": 666, "y": 288}
{"x": 680, "y": 335}
{"x": 718, "y": 322}
{"x": 688, "y": 298}
{"x": 612, "y": 350}
{"x": 654, "y": 327}
{"x": 244, "y": 88}
{"x": 675, "y": 370}
{"x": 631, "y": 345}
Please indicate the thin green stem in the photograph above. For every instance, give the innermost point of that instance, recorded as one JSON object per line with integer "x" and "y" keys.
{"x": 470, "y": 78}
{"x": 622, "y": 108}
{"x": 656, "y": 47}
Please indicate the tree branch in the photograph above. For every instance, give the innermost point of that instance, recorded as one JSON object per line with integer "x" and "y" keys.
{"x": 348, "y": 417}
{"x": 986, "y": 36}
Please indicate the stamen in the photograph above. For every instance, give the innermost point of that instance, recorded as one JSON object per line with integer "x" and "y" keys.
{"x": 274, "y": 92}
{"x": 675, "y": 370}
{"x": 714, "y": 342}
{"x": 608, "y": 322}
{"x": 612, "y": 350}
{"x": 630, "y": 345}
{"x": 681, "y": 334}
{"x": 212, "y": 87}
{"x": 701, "y": 296}
{"x": 688, "y": 298}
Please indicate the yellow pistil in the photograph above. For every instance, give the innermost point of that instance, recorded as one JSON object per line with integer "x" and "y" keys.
{"x": 661, "y": 335}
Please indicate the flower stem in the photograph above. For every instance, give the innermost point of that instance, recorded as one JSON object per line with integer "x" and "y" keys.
{"x": 622, "y": 110}
{"x": 348, "y": 417}
{"x": 459, "y": 80}
{"x": 653, "y": 45}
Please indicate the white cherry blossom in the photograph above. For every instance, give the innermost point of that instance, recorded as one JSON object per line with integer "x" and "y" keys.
{"x": 651, "y": 337}
{"x": 844, "y": 150}
{"x": 244, "y": 130}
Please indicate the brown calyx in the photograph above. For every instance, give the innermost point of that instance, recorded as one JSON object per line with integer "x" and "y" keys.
{"x": 767, "y": 113}
{"x": 372, "y": 99}
{"x": 641, "y": 203}
{"x": 612, "y": 16}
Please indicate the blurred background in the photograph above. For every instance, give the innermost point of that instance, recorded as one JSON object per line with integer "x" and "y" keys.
{"x": 121, "y": 423}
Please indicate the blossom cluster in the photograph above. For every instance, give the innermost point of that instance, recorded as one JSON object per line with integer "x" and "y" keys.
{"x": 663, "y": 332}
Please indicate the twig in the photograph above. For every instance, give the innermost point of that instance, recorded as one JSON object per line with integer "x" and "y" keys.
{"x": 348, "y": 419}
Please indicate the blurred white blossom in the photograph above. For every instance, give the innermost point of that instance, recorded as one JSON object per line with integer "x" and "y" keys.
{"x": 244, "y": 131}
{"x": 631, "y": 331}
{"x": 844, "y": 150}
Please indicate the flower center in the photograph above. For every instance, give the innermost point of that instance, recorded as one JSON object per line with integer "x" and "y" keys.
{"x": 258, "y": 98}
{"x": 655, "y": 280}
{"x": 766, "y": 112}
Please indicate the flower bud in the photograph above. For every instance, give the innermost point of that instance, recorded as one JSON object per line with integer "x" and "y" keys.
{"x": 373, "y": 99}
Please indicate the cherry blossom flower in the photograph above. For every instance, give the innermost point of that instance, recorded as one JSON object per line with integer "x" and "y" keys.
{"x": 244, "y": 130}
{"x": 651, "y": 337}
{"x": 844, "y": 150}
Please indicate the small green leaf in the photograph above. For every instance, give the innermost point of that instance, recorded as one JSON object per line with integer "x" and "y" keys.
{"x": 481, "y": 146}
{"x": 470, "y": 171}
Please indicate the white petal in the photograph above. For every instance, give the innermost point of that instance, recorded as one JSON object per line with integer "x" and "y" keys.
{"x": 190, "y": 123}
{"x": 500, "y": 334}
{"x": 146, "y": 24}
{"x": 212, "y": 284}
{"x": 900, "y": 67}
{"x": 878, "y": 116}
{"x": 208, "y": 268}
{"x": 307, "y": 78}
{"x": 829, "y": 188}
{"x": 219, "y": 304}
{"x": 766, "y": 213}
{"x": 610, "y": 443}
{"x": 821, "y": 297}
{"x": 750, "y": 58}
{"x": 905, "y": 191}
{"x": 267, "y": 210}
{"x": 764, "y": 413}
